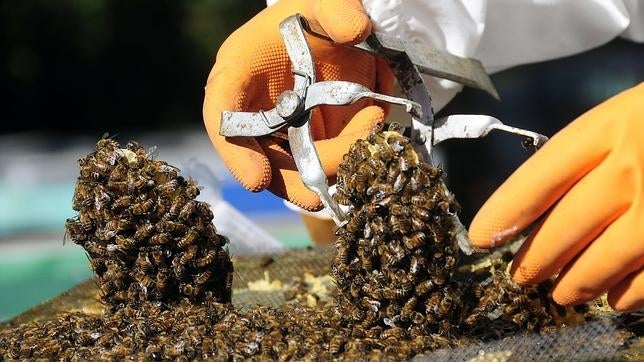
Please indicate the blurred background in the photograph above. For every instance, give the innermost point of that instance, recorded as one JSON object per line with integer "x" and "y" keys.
{"x": 73, "y": 70}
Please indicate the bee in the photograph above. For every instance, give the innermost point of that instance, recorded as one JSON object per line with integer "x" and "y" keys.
{"x": 86, "y": 222}
{"x": 445, "y": 305}
{"x": 422, "y": 214}
{"x": 211, "y": 234}
{"x": 335, "y": 344}
{"x": 159, "y": 239}
{"x": 143, "y": 207}
{"x": 188, "y": 255}
{"x": 138, "y": 183}
{"x": 171, "y": 172}
{"x": 105, "y": 234}
{"x": 432, "y": 303}
{"x": 120, "y": 187}
{"x": 143, "y": 231}
{"x": 521, "y": 318}
{"x": 188, "y": 239}
{"x": 101, "y": 198}
{"x": 342, "y": 254}
{"x": 143, "y": 262}
{"x": 168, "y": 187}
{"x": 401, "y": 181}
{"x": 171, "y": 226}
{"x": 188, "y": 209}
{"x": 395, "y": 332}
{"x": 203, "y": 277}
{"x": 162, "y": 279}
{"x": 436, "y": 233}
{"x": 192, "y": 190}
{"x": 125, "y": 243}
{"x": 118, "y": 225}
{"x": 400, "y": 223}
{"x": 450, "y": 262}
{"x": 122, "y": 202}
{"x": 204, "y": 209}
{"x": 370, "y": 304}
{"x": 207, "y": 259}
{"x": 189, "y": 289}
{"x": 416, "y": 241}
{"x": 119, "y": 173}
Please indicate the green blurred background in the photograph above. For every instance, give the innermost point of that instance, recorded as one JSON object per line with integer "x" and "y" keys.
{"x": 73, "y": 69}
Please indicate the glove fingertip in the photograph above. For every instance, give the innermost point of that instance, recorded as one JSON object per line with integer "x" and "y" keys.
{"x": 487, "y": 231}
{"x": 345, "y": 21}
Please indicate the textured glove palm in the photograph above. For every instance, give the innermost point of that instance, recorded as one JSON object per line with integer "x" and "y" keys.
{"x": 252, "y": 69}
{"x": 588, "y": 181}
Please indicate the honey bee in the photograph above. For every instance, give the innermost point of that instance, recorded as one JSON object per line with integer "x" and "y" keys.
{"x": 342, "y": 254}
{"x": 416, "y": 241}
{"x": 122, "y": 202}
{"x": 168, "y": 187}
{"x": 335, "y": 344}
{"x": 450, "y": 262}
{"x": 159, "y": 239}
{"x": 192, "y": 190}
{"x": 143, "y": 207}
{"x": 143, "y": 231}
{"x": 188, "y": 209}
{"x": 171, "y": 226}
{"x": 105, "y": 234}
{"x": 118, "y": 225}
{"x": 143, "y": 262}
{"x": 204, "y": 209}
{"x": 162, "y": 279}
{"x": 395, "y": 332}
{"x": 207, "y": 259}
{"x": 125, "y": 243}
{"x": 139, "y": 183}
{"x": 401, "y": 181}
{"x": 188, "y": 255}
{"x": 189, "y": 289}
{"x": 101, "y": 198}
{"x": 445, "y": 305}
{"x": 171, "y": 172}
{"x": 188, "y": 239}
{"x": 521, "y": 318}
{"x": 120, "y": 187}
{"x": 203, "y": 277}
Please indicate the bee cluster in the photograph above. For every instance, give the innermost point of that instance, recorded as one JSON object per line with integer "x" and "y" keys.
{"x": 497, "y": 305}
{"x": 146, "y": 236}
{"x": 398, "y": 292}
{"x": 398, "y": 251}
{"x": 206, "y": 331}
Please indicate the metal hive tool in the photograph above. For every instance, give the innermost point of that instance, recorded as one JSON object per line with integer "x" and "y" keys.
{"x": 407, "y": 60}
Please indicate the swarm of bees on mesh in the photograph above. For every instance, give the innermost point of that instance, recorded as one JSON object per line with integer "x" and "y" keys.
{"x": 208, "y": 331}
{"x": 398, "y": 251}
{"x": 400, "y": 289}
{"x": 146, "y": 236}
{"x": 397, "y": 254}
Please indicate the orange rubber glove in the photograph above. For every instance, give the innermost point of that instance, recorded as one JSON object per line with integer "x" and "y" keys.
{"x": 588, "y": 180}
{"x": 252, "y": 69}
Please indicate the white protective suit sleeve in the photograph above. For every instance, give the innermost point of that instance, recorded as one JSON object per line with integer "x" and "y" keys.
{"x": 506, "y": 33}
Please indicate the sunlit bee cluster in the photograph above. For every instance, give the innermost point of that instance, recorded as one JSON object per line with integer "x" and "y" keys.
{"x": 146, "y": 236}
{"x": 397, "y": 252}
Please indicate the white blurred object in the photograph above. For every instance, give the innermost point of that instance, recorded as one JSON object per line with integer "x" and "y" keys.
{"x": 246, "y": 237}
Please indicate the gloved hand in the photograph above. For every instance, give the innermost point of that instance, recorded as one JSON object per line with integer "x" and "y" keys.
{"x": 588, "y": 183}
{"x": 252, "y": 69}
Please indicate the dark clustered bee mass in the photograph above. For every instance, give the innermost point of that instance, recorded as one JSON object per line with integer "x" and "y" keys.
{"x": 398, "y": 251}
{"x": 402, "y": 287}
{"x": 146, "y": 236}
